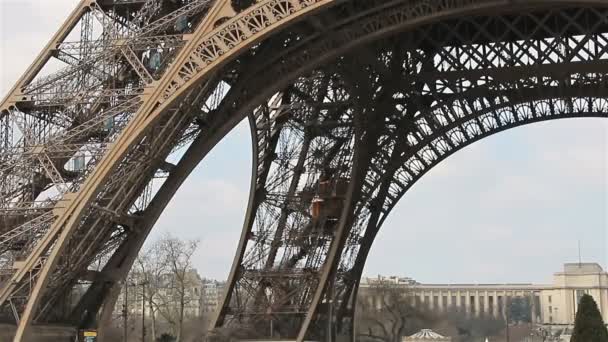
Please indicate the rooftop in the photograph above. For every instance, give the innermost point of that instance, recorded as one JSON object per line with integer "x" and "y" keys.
{"x": 428, "y": 334}
{"x": 568, "y": 269}
{"x": 582, "y": 268}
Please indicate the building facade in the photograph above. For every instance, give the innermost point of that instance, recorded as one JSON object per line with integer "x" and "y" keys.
{"x": 213, "y": 294}
{"x": 549, "y": 304}
{"x": 163, "y": 292}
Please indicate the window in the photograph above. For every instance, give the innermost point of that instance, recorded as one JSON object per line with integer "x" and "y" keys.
{"x": 472, "y": 299}
{"x": 444, "y": 301}
{"x": 550, "y": 309}
{"x": 549, "y": 299}
{"x": 454, "y": 301}
{"x": 427, "y": 301}
{"x": 435, "y": 302}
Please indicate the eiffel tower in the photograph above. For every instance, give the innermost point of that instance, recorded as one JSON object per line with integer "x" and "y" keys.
{"x": 349, "y": 102}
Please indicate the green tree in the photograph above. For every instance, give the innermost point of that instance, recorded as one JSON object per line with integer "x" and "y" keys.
{"x": 166, "y": 338}
{"x": 395, "y": 316}
{"x": 589, "y": 326}
{"x": 520, "y": 310}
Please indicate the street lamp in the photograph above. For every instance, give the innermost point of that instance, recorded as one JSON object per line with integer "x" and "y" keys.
{"x": 507, "y": 312}
{"x": 143, "y": 308}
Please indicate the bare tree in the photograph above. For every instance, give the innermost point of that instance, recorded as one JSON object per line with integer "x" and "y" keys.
{"x": 164, "y": 284}
{"x": 179, "y": 282}
{"x": 470, "y": 327}
{"x": 151, "y": 266}
{"x": 385, "y": 314}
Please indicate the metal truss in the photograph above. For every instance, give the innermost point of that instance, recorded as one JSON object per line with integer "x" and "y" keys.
{"x": 349, "y": 103}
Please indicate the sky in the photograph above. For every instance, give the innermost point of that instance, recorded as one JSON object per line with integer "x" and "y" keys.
{"x": 511, "y": 208}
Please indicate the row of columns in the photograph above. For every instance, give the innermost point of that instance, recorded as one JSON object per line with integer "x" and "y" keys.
{"x": 472, "y": 302}
{"x": 476, "y": 302}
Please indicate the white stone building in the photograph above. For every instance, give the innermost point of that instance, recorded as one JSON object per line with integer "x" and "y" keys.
{"x": 213, "y": 294}
{"x": 166, "y": 291}
{"x": 550, "y": 304}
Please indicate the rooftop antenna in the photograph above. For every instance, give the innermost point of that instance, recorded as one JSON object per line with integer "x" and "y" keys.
{"x": 580, "y": 260}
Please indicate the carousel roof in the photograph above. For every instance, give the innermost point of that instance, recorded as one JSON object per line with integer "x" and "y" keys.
{"x": 427, "y": 334}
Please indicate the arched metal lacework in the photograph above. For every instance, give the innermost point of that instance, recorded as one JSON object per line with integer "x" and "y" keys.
{"x": 350, "y": 103}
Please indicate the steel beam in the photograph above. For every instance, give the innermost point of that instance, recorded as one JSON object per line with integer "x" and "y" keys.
{"x": 463, "y": 80}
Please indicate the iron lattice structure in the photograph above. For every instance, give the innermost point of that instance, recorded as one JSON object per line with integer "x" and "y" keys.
{"x": 349, "y": 104}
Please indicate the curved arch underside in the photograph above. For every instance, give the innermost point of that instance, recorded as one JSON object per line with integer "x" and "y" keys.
{"x": 350, "y": 103}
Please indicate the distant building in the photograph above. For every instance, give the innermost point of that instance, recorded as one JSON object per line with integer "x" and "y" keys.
{"x": 166, "y": 290}
{"x": 552, "y": 304}
{"x": 390, "y": 280}
{"x": 202, "y": 296}
{"x": 213, "y": 294}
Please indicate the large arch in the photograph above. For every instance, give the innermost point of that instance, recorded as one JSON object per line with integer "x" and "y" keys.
{"x": 547, "y": 93}
{"x": 429, "y": 34}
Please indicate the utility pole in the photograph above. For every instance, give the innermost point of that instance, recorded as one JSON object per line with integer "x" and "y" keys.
{"x": 507, "y": 318}
{"x": 125, "y": 307}
{"x": 271, "y": 327}
{"x": 580, "y": 258}
{"x": 330, "y": 311}
{"x": 143, "y": 311}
